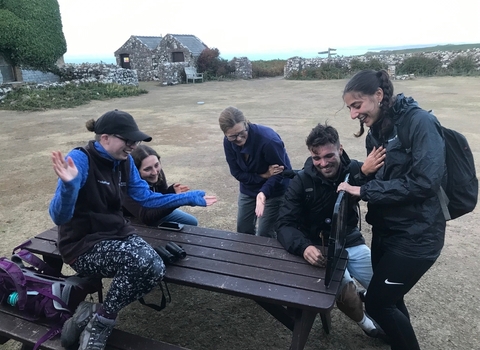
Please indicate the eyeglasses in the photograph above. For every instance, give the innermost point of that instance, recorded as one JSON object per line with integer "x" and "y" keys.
{"x": 129, "y": 143}
{"x": 242, "y": 134}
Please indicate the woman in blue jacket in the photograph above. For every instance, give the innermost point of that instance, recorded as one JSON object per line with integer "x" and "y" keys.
{"x": 408, "y": 225}
{"x": 256, "y": 156}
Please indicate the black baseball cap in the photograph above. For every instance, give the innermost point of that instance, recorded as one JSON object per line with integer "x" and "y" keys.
{"x": 120, "y": 123}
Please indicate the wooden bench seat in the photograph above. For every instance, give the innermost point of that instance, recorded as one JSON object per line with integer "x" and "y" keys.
{"x": 15, "y": 326}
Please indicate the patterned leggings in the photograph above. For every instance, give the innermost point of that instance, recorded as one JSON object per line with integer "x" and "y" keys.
{"x": 132, "y": 263}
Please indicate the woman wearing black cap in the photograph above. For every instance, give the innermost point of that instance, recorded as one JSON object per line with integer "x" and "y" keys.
{"x": 93, "y": 236}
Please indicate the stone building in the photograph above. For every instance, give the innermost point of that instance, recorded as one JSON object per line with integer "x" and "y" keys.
{"x": 138, "y": 53}
{"x": 175, "y": 52}
{"x": 160, "y": 58}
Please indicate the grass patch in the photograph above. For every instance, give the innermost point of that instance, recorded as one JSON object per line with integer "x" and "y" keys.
{"x": 69, "y": 96}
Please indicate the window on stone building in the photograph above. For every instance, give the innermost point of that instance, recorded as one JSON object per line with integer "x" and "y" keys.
{"x": 178, "y": 57}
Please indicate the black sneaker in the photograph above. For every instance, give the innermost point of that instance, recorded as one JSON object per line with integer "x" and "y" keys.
{"x": 95, "y": 335}
{"x": 74, "y": 326}
{"x": 378, "y": 333}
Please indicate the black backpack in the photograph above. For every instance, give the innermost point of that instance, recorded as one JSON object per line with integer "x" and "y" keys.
{"x": 460, "y": 194}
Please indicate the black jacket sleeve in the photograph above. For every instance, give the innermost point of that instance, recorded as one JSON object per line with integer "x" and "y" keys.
{"x": 288, "y": 233}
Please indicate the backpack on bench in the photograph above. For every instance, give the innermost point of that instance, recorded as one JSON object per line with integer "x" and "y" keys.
{"x": 40, "y": 296}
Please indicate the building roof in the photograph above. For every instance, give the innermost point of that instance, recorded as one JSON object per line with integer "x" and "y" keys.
{"x": 191, "y": 42}
{"x": 149, "y": 41}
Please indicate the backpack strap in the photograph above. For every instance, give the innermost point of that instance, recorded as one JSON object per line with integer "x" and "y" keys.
{"x": 163, "y": 302}
{"x": 35, "y": 261}
{"x": 442, "y": 196}
{"x": 308, "y": 187}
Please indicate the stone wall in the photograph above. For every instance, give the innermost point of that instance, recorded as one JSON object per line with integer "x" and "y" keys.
{"x": 100, "y": 72}
{"x": 243, "y": 67}
{"x": 296, "y": 64}
{"x": 79, "y": 74}
{"x": 36, "y": 76}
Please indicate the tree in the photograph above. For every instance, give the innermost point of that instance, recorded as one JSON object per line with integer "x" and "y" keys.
{"x": 212, "y": 64}
{"x": 31, "y": 33}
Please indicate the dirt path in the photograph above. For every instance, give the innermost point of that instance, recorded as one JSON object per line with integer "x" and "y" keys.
{"x": 443, "y": 305}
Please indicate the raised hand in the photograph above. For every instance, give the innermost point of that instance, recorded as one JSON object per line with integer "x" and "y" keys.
{"x": 260, "y": 207}
{"x": 179, "y": 188}
{"x": 65, "y": 170}
{"x": 374, "y": 161}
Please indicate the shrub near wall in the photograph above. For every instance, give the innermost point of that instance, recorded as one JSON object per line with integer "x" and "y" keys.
{"x": 403, "y": 64}
{"x": 419, "y": 65}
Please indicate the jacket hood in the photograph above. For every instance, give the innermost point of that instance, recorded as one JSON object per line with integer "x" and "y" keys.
{"x": 310, "y": 169}
{"x": 403, "y": 105}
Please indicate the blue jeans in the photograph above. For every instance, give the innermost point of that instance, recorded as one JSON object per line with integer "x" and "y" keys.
{"x": 247, "y": 220}
{"x": 359, "y": 266}
{"x": 181, "y": 217}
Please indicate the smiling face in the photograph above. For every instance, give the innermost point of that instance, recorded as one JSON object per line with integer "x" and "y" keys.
{"x": 365, "y": 108}
{"x": 326, "y": 159}
{"x": 150, "y": 169}
{"x": 238, "y": 134}
{"x": 116, "y": 147}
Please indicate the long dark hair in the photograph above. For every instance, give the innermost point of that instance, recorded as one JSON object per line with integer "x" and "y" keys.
{"x": 140, "y": 153}
{"x": 367, "y": 82}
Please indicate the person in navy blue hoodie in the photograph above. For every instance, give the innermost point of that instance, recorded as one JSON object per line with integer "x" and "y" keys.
{"x": 257, "y": 157}
{"x": 94, "y": 238}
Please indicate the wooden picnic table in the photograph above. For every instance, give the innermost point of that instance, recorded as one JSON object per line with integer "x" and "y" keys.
{"x": 247, "y": 266}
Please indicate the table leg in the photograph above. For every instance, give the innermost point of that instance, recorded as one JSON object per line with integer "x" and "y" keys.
{"x": 303, "y": 324}
{"x": 326, "y": 321}
{"x": 280, "y": 313}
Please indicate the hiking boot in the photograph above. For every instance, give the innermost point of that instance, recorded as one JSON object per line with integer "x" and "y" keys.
{"x": 95, "y": 335}
{"x": 74, "y": 326}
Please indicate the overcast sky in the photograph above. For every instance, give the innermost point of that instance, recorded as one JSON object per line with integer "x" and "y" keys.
{"x": 97, "y": 28}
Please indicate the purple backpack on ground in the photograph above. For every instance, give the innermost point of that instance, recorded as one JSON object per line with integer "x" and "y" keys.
{"x": 41, "y": 293}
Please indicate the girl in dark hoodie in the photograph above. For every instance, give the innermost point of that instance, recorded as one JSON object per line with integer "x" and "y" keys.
{"x": 408, "y": 225}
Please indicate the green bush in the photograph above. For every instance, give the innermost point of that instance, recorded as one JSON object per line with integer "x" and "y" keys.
{"x": 462, "y": 65}
{"x": 419, "y": 65}
{"x": 357, "y": 65}
{"x": 271, "y": 68}
{"x": 31, "y": 33}
{"x": 26, "y": 99}
{"x": 213, "y": 66}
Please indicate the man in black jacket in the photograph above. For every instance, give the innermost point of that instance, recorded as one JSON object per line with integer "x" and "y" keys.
{"x": 305, "y": 218}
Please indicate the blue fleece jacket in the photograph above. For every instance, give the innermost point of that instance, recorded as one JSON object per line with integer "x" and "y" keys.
{"x": 63, "y": 202}
{"x": 264, "y": 148}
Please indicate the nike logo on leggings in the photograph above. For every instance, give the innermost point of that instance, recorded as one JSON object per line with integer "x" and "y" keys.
{"x": 395, "y": 283}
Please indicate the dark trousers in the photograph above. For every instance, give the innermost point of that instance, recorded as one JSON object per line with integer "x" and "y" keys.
{"x": 393, "y": 277}
{"x": 132, "y": 263}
